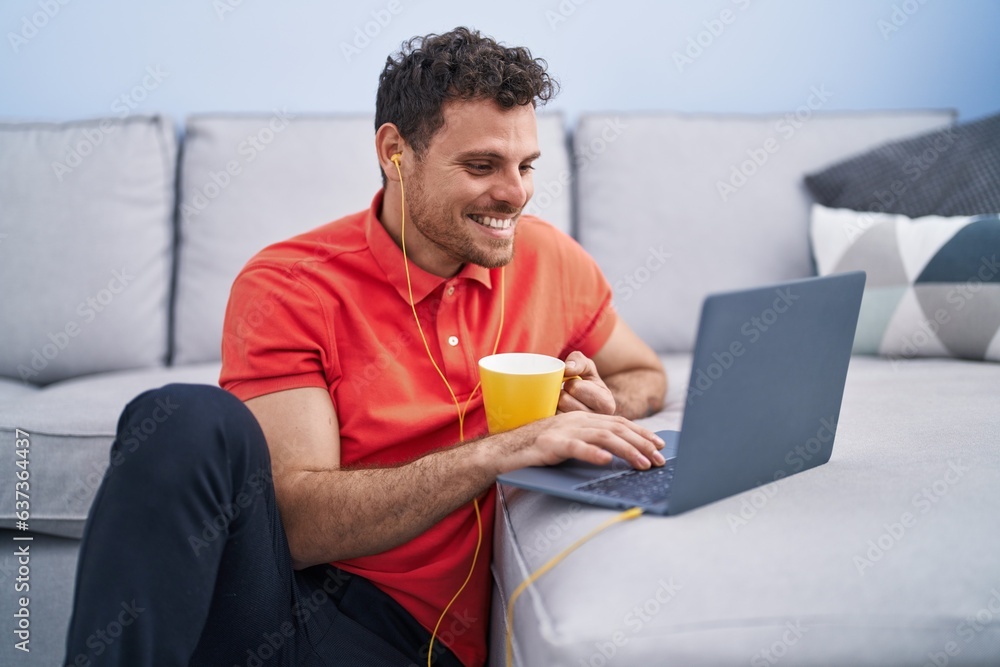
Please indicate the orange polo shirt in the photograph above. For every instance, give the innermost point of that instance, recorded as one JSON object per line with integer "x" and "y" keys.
{"x": 330, "y": 309}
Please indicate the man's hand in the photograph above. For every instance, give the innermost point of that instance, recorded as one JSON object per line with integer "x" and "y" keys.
{"x": 585, "y": 426}
{"x": 586, "y": 393}
{"x": 583, "y": 435}
{"x": 633, "y": 373}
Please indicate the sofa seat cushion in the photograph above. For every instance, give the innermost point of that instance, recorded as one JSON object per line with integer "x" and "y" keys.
{"x": 878, "y": 557}
{"x": 71, "y": 425}
{"x": 86, "y": 223}
{"x": 14, "y": 390}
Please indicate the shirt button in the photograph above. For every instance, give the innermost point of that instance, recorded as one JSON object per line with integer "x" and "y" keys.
{"x": 453, "y": 340}
{"x": 451, "y": 290}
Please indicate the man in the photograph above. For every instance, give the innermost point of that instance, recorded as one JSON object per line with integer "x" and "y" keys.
{"x": 362, "y": 472}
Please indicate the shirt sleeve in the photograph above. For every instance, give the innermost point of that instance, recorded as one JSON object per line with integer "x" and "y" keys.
{"x": 275, "y": 335}
{"x": 587, "y": 298}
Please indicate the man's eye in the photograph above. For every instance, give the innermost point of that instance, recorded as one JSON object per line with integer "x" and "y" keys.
{"x": 527, "y": 168}
{"x": 483, "y": 168}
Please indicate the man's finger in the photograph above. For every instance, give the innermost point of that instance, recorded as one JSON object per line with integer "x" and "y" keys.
{"x": 569, "y": 403}
{"x": 596, "y": 397}
{"x": 577, "y": 363}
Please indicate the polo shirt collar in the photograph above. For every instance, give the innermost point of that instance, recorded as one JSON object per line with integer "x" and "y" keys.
{"x": 389, "y": 257}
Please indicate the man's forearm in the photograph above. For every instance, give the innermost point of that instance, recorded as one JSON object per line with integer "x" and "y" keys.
{"x": 638, "y": 393}
{"x": 332, "y": 515}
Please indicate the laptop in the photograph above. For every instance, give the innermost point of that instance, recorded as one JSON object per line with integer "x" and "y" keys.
{"x": 767, "y": 379}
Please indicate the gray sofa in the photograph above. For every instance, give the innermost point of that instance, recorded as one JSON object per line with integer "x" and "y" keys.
{"x": 119, "y": 246}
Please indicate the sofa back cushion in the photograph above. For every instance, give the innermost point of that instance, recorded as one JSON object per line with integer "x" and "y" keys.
{"x": 674, "y": 206}
{"x": 86, "y": 228}
{"x": 249, "y": 181}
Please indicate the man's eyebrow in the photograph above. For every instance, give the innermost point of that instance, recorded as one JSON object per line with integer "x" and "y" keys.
{"x": 472, "y": 155}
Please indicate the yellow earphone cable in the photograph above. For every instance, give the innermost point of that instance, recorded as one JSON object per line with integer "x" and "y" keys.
{"x": 555, "y": 560}
{"x": 624, "y": 516}
{"x": 461, "y": 411}
{"x": 416, "y": 318}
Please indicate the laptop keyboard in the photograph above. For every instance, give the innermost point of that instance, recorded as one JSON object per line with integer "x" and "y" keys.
{"x": 645, "y": 487}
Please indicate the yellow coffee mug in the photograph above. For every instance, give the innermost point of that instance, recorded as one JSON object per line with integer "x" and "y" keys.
{"x": 519, "y": 387}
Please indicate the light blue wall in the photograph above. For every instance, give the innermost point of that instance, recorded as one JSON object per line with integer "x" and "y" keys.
{"x": 608, "y": 54}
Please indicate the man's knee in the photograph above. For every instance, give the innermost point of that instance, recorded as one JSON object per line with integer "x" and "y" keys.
{"x": 189, "y": 421}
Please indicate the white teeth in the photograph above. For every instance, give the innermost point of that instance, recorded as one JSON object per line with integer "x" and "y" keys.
{"x": 494, "y": 223}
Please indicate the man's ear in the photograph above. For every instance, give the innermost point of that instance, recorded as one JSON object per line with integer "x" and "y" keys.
{"x": 389, "y": 143}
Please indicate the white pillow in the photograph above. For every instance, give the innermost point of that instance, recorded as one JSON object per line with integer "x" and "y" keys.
{"x": 933, "y": 286}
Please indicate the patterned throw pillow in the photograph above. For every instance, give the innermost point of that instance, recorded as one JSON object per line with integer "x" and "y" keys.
{"x": 955, "y": 171}
{"x": 933, "y": 287}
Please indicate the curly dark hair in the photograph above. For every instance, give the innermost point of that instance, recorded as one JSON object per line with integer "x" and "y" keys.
{"x": 461, "y": 64}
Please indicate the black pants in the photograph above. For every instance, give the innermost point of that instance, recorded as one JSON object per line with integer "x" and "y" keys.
{"x": 184, "y": 559}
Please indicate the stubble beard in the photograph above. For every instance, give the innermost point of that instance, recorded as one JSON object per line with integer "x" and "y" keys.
{"x": 437, "y": 226}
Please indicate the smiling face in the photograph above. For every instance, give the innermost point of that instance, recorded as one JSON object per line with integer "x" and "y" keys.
{"x": 466, "y": 191}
